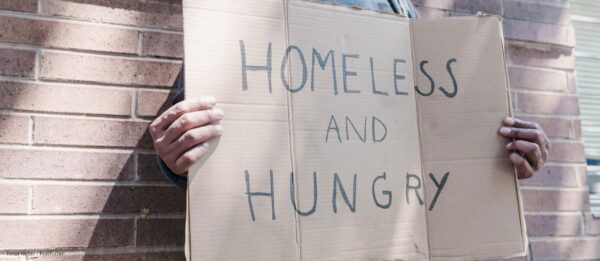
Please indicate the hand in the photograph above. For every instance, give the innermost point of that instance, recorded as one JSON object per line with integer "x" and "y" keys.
{"x": 529, "y": 146}
{"x": 181, "y": 132}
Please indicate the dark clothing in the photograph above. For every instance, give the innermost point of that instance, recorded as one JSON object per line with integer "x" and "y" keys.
{"x": 404, "y": 7}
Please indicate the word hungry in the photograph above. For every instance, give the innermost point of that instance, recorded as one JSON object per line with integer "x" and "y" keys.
{"x": 412, "y": 188}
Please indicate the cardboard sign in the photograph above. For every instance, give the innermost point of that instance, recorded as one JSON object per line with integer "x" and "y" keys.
{"x": 349, "y": 135}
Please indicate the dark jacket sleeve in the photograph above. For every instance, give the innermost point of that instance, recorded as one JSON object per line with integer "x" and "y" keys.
{"x": 178, "y": 180}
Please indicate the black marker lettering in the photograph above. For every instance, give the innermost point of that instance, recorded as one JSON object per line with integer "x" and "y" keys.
{"x": 363, "y": 138}
{"x": 398, "y": 77}
{"x": 337, "y": 130}
{"x": 384, "y": 192}
{"x": 449, "y": 69}
{"x": 347, "y": 73}
{"x": 375, "y": 91}
{"x": 375, "y": 139}
{"x": 416, "y": 187}
{"x": 246, "y": 67}
{"x": 323, "y": 64}
{"x": 284, "y": 63}
{"x": 263, "y": 194}
{"x": 422, "y": 65}
{"x": 337, "y": 183}
{"x": 293, "y": 195}
{"x": 440, "y": 186}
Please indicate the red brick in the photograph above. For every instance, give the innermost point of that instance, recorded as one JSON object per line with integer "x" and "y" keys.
{"x": 160, "y": 232}
{"x": 15, "y": 199}
{"x": 566, "y": 249}
{"x": 567, "y": 152}
{"x": 537, "y": 79}
{"x": 556, "y": 176}
{"x": 557, "y": 127}
{"x": 105, "y": 69}
{"x": 152, "y": 103}
{"x": 65, "y": 233}
{"x": 592, "y": 224}
{"x": 68, "y": 35}
{"x": 555, "y": 200}
{"x": 60, "y": 164}
{"x": 107, "y": 199}
{"x": 19, "y": 5}
{"x": 162, "y": 44}
{"x": 471, "y": 6}
{"x": 87, "y": 132}
{"x": 141, "y": 13}
{"x": 14, "y": 129}
{"x": 560, "y": 58}
{"x": 536, "y": 11}
{"x": 148, "y": 169}
{"x": 65, "y": 98}
{"x": 541, "y": 103}
{"x": 554, "y": 225}
{"x": 538, "y": 32}
{"x": 142, "y": 256}
{"x": 17, "y": 63}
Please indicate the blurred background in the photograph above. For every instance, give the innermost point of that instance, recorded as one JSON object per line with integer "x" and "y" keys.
{"x": 80, "y": 80}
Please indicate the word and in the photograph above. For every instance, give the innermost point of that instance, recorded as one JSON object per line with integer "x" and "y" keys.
{"x": 413, "y": 186}
{"x": 329, "y": 60}
{"x": 375, "y": 125}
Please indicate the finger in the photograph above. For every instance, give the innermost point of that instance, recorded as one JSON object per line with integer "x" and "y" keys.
{"x": 530, "y": 150}
{"x": 518, "y": 123}
{"x": 531, "y": 135}
{"x": 160, "y": 124}
{"x": 194, "y": 137}
{"x": 524, "y": 170}
{"x": 190, "y": 121}
{"x": 190, "y": 157}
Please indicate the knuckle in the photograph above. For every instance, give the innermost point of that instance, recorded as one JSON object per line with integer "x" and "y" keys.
{"x": 209, "y": 114}
{"x": 178, "y": 109}
{"x": 539, "y": 135}
{"x": 168, "y": 159}
{"x": 184, "y": 120}
{"x": 187, "y": 159}
{"x": 158, "y": 143}
{"x": 215, "y": 130}
{"x": 514, "y": 131}
{"x": 534, "y": 148}
{"x": 153, "y": 128}
{"x": 189, "y": 136}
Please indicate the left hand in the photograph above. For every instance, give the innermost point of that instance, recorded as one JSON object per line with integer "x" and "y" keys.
{"x": 529, "y": 146}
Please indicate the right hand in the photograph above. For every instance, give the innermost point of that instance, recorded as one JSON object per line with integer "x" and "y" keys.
{"x": 181, "y": 133}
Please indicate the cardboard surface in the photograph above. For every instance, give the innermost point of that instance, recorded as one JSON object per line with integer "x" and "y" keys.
{"x": 330, "y": 152}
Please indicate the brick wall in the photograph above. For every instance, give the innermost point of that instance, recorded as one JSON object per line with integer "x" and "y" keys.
{"x": 81, "y": 79}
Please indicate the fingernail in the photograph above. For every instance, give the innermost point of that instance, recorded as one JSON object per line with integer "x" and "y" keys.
{"x": 205, "y": 145}
{"x": 508, "y": 145}
{"x": 218, "y": 113}
{"x": 219, "y": 129}
{"x": 505, "y": 131}
{"x": 210, "y": 100}
{"x": 509, "y": 121}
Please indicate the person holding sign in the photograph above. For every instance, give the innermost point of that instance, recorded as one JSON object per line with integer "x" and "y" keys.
{"x": 181, "y": 133}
